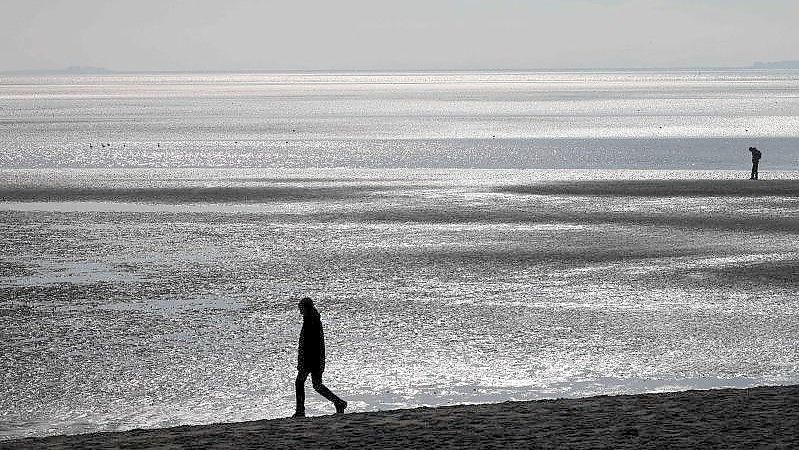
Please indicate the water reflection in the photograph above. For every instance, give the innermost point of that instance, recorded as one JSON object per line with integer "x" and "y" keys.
{"x": 122, "y": 315}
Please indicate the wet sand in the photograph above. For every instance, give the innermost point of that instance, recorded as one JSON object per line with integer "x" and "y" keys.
{"x": 765, "y": 417}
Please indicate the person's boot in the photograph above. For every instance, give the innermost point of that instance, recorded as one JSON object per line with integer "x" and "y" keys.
{"x": 340, "y": 407}
{"x": 298, "y": 415}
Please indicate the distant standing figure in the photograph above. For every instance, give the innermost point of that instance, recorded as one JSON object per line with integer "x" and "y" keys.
{"x": 311, "y": 358}
{"x": 755, "y": 160}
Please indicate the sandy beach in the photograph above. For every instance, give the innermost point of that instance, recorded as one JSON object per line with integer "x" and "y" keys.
{"x": 764, "y": 417}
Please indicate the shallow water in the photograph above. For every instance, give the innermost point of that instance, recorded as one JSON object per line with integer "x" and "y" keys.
{"x": 144, "y": 297}
{"x": 435, "y": 288}
{"x": 508, "y": 120}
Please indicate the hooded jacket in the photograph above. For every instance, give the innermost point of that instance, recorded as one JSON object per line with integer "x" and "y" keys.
{"x": 311, "y": 349}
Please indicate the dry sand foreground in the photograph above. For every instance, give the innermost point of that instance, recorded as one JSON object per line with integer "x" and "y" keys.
{"x": 766, "y": 417}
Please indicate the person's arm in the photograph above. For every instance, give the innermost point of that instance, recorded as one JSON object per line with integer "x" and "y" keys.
{"x": 300, "y": 352}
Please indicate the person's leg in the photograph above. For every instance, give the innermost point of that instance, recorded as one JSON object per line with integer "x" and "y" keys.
{"x": 316, "y": 379}
{"x": 299, "y": 388}
{"x": 754, "y": 169}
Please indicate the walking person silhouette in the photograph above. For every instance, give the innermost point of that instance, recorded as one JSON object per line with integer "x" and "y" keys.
{"x": 755, "y": 160}
{"x": 311, "y": 358}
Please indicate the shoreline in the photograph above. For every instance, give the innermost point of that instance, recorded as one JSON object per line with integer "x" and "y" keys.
{"x": 723, "y": 418}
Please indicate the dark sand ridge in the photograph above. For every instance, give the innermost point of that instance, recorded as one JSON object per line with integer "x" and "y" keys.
{"x": 192, "y": 194}
{"x": 616, "y": 188}
{"x": 662, "y": 188}
{"x": 464, "y": 215}
{"x": 766, "y": 417}
{"x": 779, "y": 193}
{"x": 686, "y": 220}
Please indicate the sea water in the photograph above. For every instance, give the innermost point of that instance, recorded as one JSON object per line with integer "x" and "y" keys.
{"x": 467, "y": 237}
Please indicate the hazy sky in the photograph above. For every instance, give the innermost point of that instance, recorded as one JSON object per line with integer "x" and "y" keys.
{"x": 397, "y": 34}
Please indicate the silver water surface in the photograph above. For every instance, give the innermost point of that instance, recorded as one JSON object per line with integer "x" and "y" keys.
{"x": 469, "y": 237}
{"x": 640, "y": 119}
{"x": 436, "y": 287}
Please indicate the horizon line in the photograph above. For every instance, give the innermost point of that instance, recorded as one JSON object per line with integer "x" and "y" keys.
{"x": 91, "y": 70}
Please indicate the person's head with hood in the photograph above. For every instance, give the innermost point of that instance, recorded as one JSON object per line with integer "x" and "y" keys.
{"x": 306, "y": 306}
